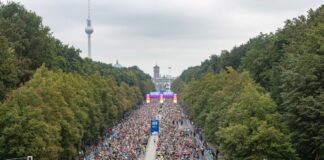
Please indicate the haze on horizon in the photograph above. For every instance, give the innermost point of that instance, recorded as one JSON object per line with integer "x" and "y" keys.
{"x": 178, "y": 33}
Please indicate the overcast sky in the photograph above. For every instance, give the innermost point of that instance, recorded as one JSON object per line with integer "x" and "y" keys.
{"x": 177, "y": 33}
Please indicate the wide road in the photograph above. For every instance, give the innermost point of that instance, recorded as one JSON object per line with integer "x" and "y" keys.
{"x": 151, "y": 148}
{"x": 130, "y": 139}
{"x": 177, "y": 138}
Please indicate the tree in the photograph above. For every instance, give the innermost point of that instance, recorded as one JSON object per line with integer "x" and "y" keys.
{"x": 253, "y": 129}
{"x": 288, "y": 64}
{"x": 237, "y": 115}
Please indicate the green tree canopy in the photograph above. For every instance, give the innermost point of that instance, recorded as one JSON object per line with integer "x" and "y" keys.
{"x": 238, "y": 115}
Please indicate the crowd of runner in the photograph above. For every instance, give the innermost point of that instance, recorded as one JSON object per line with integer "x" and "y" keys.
{"x": 176, "y": 139}
{"x": 128, "y": 139}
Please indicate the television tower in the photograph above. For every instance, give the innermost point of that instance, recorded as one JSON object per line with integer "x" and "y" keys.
{"x": 89, "y": 30}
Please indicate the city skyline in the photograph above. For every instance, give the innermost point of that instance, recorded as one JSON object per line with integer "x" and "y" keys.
{"x": 172, "y": 33}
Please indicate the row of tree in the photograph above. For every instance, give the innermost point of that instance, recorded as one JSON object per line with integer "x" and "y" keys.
{"x": 26, "y": 44}
{"x": 53, "y": 103}
{"x": 289, "y": 64}
{"x": 55, "y": 113}
{"x": 238, "y": 115}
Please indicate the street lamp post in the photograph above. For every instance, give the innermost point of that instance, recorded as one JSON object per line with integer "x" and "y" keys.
{"x": 169, "y": 78}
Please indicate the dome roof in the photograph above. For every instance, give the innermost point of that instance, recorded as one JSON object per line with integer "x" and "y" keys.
{"x": 117, "y": 65}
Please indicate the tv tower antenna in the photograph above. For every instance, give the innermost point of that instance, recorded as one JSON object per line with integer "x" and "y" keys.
{"x": 89, "y": 30}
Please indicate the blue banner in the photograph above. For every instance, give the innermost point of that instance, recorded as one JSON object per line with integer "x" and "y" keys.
{"x": 154, "y": 126}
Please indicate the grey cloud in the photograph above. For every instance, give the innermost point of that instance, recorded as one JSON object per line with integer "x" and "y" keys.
{"x": 273, "y": 5}
{"x": 178, "y": 33}
{"x": 159, "y": 25}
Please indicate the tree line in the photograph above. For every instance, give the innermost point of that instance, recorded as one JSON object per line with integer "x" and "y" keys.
{"x": 53, "y": 103}
{"x": 274, "y": 87}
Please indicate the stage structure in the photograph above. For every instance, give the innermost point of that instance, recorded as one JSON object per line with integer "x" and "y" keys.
{"x": 161, "y": 97}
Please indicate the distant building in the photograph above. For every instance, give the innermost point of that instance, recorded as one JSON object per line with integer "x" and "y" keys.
{"x": 117, "y": 65}
{"x": 156, "y": 69}
{"x": 162, "y": 83}
{"x": 89, "y": 30}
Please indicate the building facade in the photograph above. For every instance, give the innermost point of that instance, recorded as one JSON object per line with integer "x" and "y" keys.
{"x": 162, "y": 83}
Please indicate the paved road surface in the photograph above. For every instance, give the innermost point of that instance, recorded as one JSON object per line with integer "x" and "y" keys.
{"x": 151, "y": 148}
